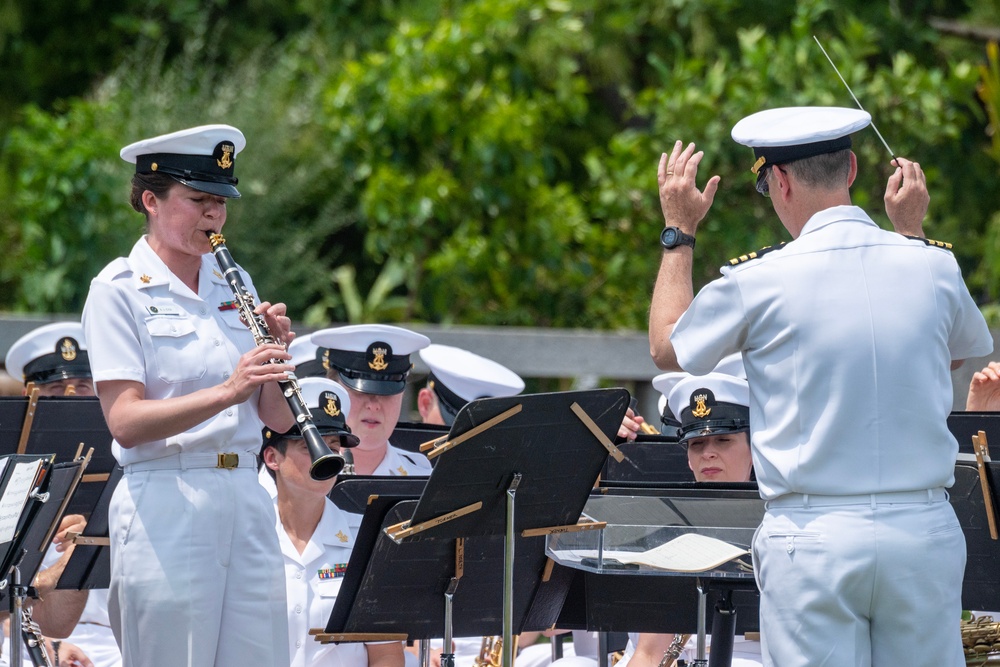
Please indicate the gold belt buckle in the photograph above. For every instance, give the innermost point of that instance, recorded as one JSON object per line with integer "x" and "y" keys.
{"x": 229, "y": 460}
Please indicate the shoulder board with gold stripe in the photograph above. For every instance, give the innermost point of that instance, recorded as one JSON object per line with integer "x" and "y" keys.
{"x": 936, "y": 244}
{"x": 757, "y": 253}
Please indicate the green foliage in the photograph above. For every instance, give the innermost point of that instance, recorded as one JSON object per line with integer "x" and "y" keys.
{"x": 485, "y": 161}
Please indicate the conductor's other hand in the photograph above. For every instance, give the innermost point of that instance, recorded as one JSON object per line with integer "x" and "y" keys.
{"x": 984, "y": 390}
{"x": 906, "y": 198}
{"x": 682, "y": 203}
{"x": 71, "y": 654}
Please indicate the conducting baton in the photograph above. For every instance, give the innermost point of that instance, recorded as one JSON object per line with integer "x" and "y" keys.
{"x": 830, "y": 60}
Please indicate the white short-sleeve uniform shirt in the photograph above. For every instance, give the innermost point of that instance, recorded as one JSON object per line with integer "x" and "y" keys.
{"x": 847, "y": 335}
{"x": 312, "y": 581}
{"x": 399, "y": 462}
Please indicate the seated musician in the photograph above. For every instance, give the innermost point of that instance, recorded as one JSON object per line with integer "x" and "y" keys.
{"x": 372, "y": 361}
{"x": 53, "y": 359}
{"x": 316, "y": 537}
{"x": 715, "y": 429}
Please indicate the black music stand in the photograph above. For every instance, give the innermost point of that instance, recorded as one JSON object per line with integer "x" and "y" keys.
{"x": 410, "y": 435}
{"x": 649, "y": 458}
{"x": 964, "y": 425}
{"x": 24, "y": 485}
{"x": 352, "y": 493}
{"x": 89, "y": 567}
{"x": 516, "y": 465}
{"x": 394, "y": 590}
{"x": 619, "y": 598}
{"x": 981, "y": 585}
{"x": 66, "y": 427}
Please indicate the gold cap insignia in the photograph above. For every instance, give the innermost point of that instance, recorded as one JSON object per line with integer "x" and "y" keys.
{"x": 378, "y": 354}
{"x": 757, "y": 165}
{"x": 67, "y": 349}
{"x": 700, "y": 409}
{"x": 341, "y": 536}
{"x": 145, "y": 279}
{"x": 326, "y": 360}
{"x": 332, "y": 406}
{"x": 226, "y": 161}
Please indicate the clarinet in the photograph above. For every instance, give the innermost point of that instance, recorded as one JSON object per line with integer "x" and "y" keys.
{"x": 325, "y": 462}
{"x": 34, "y": 642}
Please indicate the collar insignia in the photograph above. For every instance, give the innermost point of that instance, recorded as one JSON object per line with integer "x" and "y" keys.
{"x": 402, "y": 471}
{"x": 341, "y": 536}
{"x": 145, "y": 279}
{"x": 215, "y": 272}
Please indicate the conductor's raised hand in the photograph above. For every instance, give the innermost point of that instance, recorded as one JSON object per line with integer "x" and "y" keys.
{"x": 906, "y": 198}
{"x": 682, "y": 203}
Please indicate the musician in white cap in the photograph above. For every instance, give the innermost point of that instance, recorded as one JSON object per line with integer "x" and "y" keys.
{"x": 316, "y": 536}
{"x": 373, "y": 361}
{"x": 458, "y": 377}
{"x": 308, "y": 358}
{"x": 848, "y": 334}
{"x": 196, "y": 574}
{"x": 52, "y": 358}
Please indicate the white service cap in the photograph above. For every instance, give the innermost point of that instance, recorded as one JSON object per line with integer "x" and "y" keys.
{"x": 49, "y": 353}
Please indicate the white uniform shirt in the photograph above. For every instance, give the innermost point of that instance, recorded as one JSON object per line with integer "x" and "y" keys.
{"x": 312, "y": 581}
{"x": 148, "y": 327}
{"x": 399, "y": 462}
{"x": 847, "y": 336}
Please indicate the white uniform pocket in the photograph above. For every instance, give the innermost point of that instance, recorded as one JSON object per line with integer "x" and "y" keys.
{"x": 175, "y": 349}
{"x": 328, "y": 588}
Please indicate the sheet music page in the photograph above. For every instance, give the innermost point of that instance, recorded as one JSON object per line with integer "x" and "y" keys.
{"x": 15, "y": 496}
{"x": 690, "y": 552}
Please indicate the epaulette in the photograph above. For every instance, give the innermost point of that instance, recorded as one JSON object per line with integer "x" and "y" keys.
{"x": 757, "y": 253}
{"x": 936, "y": 244}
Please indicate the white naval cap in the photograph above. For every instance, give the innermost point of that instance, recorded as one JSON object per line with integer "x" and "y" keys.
{"x": 459, "y": 376}
{"x": 200, "y": 157}
{"x": 49, "y": 353}
{"x": 731, "y": 365}
{"x": 307, "y": 357}
{"x": 329, "y": 404}
{"x": 710, "y": 404}
{"x": 371, "y": 358}
{"x": 787, "y": 134}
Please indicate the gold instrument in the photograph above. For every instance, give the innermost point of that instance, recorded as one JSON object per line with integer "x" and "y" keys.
{"x": 491, "y": 651}
{"x": 981, "y": 641}
{"x": 325, "y": 462}
{"x": 674, "y": 650}
{"x": 34, "y": 642}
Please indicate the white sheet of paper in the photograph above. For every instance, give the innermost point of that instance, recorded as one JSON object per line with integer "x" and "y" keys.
{"x": 689, "y": 552}
{"x": 15, "y": 496}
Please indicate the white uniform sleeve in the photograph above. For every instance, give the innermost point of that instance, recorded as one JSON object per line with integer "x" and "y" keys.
{"x": 113, "y": 345}
{"x": 970, "y": 336}
{"x": 713, "y": 326}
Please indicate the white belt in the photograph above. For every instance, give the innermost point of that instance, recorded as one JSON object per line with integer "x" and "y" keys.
{"x": 807, "y": 500}
{"x": 186, "y": 460}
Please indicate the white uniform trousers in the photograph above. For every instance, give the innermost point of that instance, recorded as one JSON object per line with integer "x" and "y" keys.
{"x": 872, "y": 584}
{"x": 196, "y": 572}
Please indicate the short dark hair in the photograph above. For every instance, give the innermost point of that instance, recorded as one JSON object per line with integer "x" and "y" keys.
{"x": 280, "y": 445}
{"x": 828, "y": 170}
{"x": 158, "y": 184}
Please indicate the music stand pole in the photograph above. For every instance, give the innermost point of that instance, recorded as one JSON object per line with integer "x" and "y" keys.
{"x": 508, "y": 575}
{"x": 18, "y": 594}
{"x": 700, "y": 660}
{"x": 447, "y": 652}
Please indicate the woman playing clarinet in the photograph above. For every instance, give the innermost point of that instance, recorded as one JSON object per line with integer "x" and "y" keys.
{"x": 196, "y": 572}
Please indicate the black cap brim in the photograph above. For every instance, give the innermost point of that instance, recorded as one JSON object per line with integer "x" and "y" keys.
{"x": 369, "y": 386}
{"x": 220, "y": 189}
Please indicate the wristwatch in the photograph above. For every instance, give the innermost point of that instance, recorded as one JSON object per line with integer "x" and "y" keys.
{"x": 671, "y": 237}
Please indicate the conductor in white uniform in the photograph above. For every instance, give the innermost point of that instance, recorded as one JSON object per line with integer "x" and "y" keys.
{"x": 848, "y": 334}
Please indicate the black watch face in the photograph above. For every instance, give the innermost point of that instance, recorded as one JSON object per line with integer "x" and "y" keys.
{"x": 669, "y": 237}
